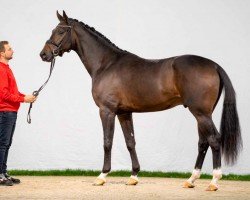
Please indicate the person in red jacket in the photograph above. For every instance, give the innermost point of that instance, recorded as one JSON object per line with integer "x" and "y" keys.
{"x": 10, "y": 99}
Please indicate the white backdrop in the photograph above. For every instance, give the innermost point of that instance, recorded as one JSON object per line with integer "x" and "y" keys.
{"x": 66, "y": 130}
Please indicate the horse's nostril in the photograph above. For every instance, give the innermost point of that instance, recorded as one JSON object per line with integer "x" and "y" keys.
{"x": 42, "y": 55}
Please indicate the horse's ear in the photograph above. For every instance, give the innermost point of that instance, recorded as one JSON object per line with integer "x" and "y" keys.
{"x": 59, "y": 16}
{"x": 65, "y": 17}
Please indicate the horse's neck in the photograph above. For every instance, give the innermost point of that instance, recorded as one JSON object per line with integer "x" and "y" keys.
{"x": 93, "y": 53}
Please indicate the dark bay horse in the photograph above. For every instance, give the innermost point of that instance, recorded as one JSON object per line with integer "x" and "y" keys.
{"x": 123, "y": 83}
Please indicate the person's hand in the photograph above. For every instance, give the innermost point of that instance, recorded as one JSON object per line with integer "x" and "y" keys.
{"x": 30, "y": 98}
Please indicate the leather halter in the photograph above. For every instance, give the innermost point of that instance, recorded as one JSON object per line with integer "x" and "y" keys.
{"x": 56, "y": 51}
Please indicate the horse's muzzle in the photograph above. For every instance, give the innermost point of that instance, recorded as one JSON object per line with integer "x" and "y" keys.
{"x": 45, "y": 57}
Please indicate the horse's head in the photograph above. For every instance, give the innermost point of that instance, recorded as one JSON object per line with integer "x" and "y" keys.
{"x": 60, "y": 40}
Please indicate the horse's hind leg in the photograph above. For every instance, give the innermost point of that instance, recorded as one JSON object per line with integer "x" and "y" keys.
{"x": 202, "y": 150}
{"x": 126, "y": 122}
{"x": 208, "y": 135}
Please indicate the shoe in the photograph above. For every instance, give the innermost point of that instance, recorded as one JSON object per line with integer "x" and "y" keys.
{"x": 14, "y": 180}
{"x": 5, "y": 182}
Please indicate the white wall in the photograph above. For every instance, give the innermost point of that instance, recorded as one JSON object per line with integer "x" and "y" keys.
{"x": 66, "y": 130}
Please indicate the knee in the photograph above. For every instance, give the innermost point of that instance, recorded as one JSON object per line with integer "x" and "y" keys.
{"x": 131, "y": 145}
{"x": 107, "y": 145}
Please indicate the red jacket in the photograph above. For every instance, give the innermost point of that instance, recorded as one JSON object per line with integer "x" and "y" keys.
{"x": 10, "y": 97}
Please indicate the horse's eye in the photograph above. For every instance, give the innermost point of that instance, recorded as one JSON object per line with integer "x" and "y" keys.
{"x": 60, "y": 32}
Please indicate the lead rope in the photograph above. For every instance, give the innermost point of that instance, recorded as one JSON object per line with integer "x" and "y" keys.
{"x": 36, "y": 92}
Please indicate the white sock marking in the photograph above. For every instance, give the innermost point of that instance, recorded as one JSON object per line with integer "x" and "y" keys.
{"x": 195, "y": 175}
{"x": 102, "y": 176}
{"x": 217, "y": 174}
{"x": 134, "y": 177}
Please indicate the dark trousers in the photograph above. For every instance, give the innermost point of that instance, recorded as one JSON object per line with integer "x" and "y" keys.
{"x": 7, "y": 128}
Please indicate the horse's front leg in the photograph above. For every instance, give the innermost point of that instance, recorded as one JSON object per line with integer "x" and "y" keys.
{"x": 126, "y": 122}
{"x": 108, "y": 124}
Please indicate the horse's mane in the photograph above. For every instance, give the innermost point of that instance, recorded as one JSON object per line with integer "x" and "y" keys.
{"x": 92, "y": 29}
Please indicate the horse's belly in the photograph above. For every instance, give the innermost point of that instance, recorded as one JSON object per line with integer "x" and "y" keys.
{"x": 150, "y": 105}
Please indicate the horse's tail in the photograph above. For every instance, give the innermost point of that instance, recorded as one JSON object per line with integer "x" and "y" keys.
{"x": 231, "y": 141}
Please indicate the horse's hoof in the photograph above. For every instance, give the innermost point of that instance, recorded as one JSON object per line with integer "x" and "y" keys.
{"x": 132, "y": 181}
{"x": 99, "y": 182}
{"x": 212, "y": 187}
{"x": 188, "y": 185}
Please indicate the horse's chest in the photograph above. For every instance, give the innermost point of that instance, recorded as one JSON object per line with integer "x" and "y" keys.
{"x": 105, "y": 95}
